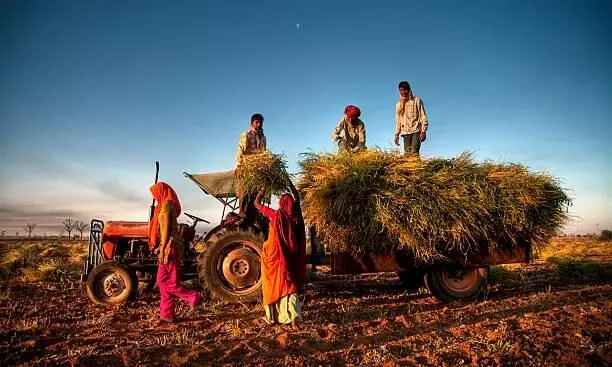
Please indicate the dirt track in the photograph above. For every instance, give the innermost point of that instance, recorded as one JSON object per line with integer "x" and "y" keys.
{"x": 362, "y": 321}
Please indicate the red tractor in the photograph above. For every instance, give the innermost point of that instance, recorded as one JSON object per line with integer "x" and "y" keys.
{"x": 227, "y": 265}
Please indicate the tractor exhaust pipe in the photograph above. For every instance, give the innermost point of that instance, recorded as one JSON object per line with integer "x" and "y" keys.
{"x": 152, "y": 208}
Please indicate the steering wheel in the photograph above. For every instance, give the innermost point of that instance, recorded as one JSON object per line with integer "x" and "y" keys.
{"x": 196, "y": 219}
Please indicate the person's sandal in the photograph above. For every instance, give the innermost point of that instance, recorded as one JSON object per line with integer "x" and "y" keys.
{"x": 165, "y": 319}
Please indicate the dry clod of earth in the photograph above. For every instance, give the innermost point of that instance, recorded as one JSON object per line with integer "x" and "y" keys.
{"x": 532, "y": 316}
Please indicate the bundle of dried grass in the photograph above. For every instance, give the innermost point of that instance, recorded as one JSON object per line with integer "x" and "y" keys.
{"x": 262, "y": 171}
{"x": 339, "y": 196}
{"x": 380, "y": 201}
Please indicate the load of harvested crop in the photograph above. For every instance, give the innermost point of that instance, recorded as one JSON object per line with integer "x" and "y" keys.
{"x": 262, "y": 171}
{"x": 381, "y": 201}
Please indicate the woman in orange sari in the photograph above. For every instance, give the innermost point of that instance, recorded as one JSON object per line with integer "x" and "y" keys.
{"x": 283, "y": 259}
{"x": 164, "y": 236}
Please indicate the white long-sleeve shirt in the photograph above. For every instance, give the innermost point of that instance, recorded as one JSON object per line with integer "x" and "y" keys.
{"x": 413, "y": 119}
{"x": 251, "y": 141}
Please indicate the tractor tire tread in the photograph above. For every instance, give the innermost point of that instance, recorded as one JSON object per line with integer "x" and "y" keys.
{"x": 209, "y": 283}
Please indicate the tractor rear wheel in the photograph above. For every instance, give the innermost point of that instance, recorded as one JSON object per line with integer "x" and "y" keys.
{"x": 111, "y": 283}
{"x": 457, "y": 284}
{"x": 229, "y": 268}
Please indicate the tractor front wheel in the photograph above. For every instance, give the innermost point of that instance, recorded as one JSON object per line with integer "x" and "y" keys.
{"x": 111, "y": 283}
{"x": 229, "y": 268}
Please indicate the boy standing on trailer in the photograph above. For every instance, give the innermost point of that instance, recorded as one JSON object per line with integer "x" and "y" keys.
{"x": 251, "y": 141}
{"x": 410, "y": 120}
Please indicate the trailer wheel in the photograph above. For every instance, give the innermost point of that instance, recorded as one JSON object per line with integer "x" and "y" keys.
{"x": 457, "y": 284}
{"x": 111, "y": 283}
{"x": 229, "y": 268}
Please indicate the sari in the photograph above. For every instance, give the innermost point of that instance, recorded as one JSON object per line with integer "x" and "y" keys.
{"x": 283, "y": 261}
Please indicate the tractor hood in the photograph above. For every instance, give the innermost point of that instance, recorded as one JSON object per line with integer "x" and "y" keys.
{"x": 126, "y": 229}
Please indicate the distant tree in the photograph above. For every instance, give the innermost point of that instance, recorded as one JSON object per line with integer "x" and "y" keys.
{"x": 81, "y": 227}
{"x": 3, "y": 233}
{"x": 605, "y": 235}
{"x": 29, "y": 228}
{"x": 16, "y": 234}
{"x": 69, "y": 225}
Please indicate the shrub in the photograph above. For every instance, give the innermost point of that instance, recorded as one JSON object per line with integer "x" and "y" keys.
{"x": 574, "y": 270}
{"x": 42, "y": 261}
{"x": 502, "y": 276}
{"x": 605, "y": 235}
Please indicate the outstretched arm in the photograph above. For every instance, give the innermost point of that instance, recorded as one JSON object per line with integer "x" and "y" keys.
{"x": 266, "y": 211}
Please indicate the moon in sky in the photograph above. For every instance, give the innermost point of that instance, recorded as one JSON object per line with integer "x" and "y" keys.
{"x": 297, "y": 26}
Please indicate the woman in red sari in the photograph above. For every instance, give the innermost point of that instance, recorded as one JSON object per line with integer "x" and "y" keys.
{"x": 283, "y": 263}
{"x": 165, "y": 238}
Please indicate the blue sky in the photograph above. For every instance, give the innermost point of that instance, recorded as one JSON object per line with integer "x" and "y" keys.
{"x": 93, "y": 92}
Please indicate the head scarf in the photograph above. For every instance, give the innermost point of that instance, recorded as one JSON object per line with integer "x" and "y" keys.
{"x": 291, "y": 232}
{"x": 162, "y": 192}
{"x": 352, "y": 111}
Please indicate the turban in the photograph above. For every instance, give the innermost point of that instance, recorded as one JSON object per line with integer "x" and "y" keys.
{"x": 352, "y": 112}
